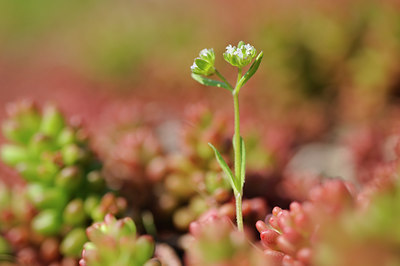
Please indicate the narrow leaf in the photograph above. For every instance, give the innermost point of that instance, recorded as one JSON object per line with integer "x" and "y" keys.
{"x": 210, "y": 82}
{"x": 225, "y": 168}
{"x": 243, "y": 163}
{"x": 252, "y": 70}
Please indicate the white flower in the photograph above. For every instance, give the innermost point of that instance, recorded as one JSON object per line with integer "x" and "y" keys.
{"x": 204, "y": 52}
{"x": 239, "y": 52}
{"x": 230, "y": 49}
{"x": 241, "y": 55}
{"x": 204, "y": 63}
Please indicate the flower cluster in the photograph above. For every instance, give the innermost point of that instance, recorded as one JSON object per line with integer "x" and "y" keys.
{"x": 241, "y": 55}
{"x": 204, "y": 64}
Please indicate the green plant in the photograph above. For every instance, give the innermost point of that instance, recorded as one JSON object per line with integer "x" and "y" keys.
{"x": 203, "y": 66}
{"x": 65, "y": 185}
{"x": 115, "y": 242}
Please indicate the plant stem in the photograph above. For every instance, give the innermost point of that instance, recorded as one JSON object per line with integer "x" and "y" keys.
{"x": 237, "y": 151}
{"x": 237, "y": 136}
{"x": 238, "y": 195}
{"x": 239, "y": 217}
{"x": 223, "y": 79}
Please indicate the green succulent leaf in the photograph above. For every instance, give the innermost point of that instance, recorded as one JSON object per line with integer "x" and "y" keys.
{"x": 252, "y": 70}
{"x": 210, "y": 82}
{"x": 225, "y": 168}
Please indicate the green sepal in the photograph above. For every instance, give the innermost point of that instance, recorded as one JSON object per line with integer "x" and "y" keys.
{"x": 226, "y": 169}
{"x": 252, "y": 70}
{"x": 202, "y": 64}
{"x": 210, "y": 82}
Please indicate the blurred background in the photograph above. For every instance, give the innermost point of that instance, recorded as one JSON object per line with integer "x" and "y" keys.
{"x": 328, "y": 65}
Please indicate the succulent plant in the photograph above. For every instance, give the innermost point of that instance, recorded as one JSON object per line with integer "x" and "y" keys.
{"x": 64, "y": 180}
{"x": 289, "y": 236}
{"x": 214, "y": 240}
{"x": 115, "y": 242}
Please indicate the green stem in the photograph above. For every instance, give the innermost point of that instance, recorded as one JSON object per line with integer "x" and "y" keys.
{"x": 239, "y": 217}
{"x": 238, "y": 195}
{"x": 237, "y": 136}
{"x": 223, "y": 79}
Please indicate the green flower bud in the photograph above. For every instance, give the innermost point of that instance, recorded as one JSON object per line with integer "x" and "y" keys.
{"x": 13, "y": 154}
{"x": 240, "y": 56}
{"x": 52, "y": 121}
{"x": 70, "y": 178}
{"x": 74, "y": 213}
{"x": 47, "y": 222}
{"x": 73, "y": 242}
{"x": 204, "y": 64}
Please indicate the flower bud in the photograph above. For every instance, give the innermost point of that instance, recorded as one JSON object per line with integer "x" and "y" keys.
{"x": 240, "y": 56}
{"x": 204, "y": 64}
